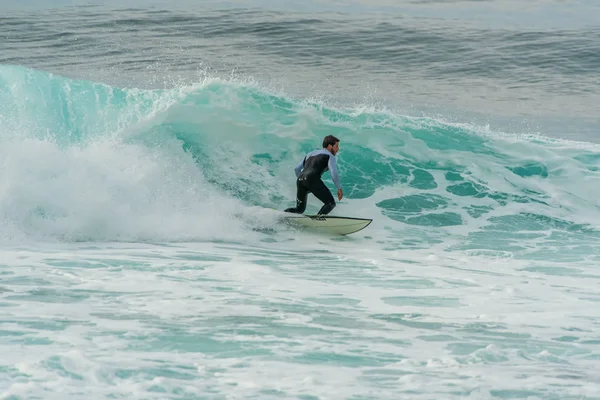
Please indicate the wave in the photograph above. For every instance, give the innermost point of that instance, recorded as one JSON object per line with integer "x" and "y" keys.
{"x": 86, "y": 161}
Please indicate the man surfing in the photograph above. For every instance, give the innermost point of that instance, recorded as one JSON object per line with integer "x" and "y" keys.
{"x": 308, "y": 177}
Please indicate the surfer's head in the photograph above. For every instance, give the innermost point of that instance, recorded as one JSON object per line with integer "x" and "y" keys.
{"x": 332, "y": 144}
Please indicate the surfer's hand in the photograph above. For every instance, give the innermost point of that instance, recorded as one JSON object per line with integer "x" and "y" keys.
{"x": 340, "y": 194}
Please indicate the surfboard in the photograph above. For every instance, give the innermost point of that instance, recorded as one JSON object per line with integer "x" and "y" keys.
{"x": 330, "y": 223}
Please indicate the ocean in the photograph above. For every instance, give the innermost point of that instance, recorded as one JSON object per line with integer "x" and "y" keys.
{"x": 144, "y": 146}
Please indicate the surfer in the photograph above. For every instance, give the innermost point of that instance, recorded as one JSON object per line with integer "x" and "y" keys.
{"x": 308, "y": 177}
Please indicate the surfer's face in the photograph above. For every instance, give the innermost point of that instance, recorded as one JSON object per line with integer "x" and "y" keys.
{"x": 335, "y": 148}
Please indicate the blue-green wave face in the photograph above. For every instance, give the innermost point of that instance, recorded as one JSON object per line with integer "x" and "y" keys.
{"x": 82, "y": 160}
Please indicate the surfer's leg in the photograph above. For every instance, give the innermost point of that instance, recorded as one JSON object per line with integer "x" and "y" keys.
{"x": 301, "y": 196}
{"x": 322, "y": 193}
{"x": 326, "y": 209}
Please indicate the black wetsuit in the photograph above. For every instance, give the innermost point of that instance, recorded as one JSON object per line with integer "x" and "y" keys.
{"x": 308, "y": 173}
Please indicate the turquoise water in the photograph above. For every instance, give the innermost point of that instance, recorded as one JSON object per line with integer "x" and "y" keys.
{"x": 140, "y": 257}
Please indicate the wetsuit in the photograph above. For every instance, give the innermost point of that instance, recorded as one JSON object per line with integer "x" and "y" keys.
{"x": 308, "y": 174}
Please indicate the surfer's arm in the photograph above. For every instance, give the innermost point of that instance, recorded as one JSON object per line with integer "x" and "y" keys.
{"x": 299, "y": 167}
{"x": 335, "y": 177}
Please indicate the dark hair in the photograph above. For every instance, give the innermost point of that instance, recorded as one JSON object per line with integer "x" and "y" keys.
{"x": 330, "y": 140}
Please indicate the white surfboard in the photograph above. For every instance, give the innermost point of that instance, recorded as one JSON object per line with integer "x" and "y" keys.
{"x": 330, "y": 223}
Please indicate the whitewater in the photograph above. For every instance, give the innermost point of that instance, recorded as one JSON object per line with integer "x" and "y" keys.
{"x": 140, "y": 256}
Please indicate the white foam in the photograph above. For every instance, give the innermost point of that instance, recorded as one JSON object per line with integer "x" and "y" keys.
{"x": 108, "y": 190}
{"x": 325, "y": 318}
